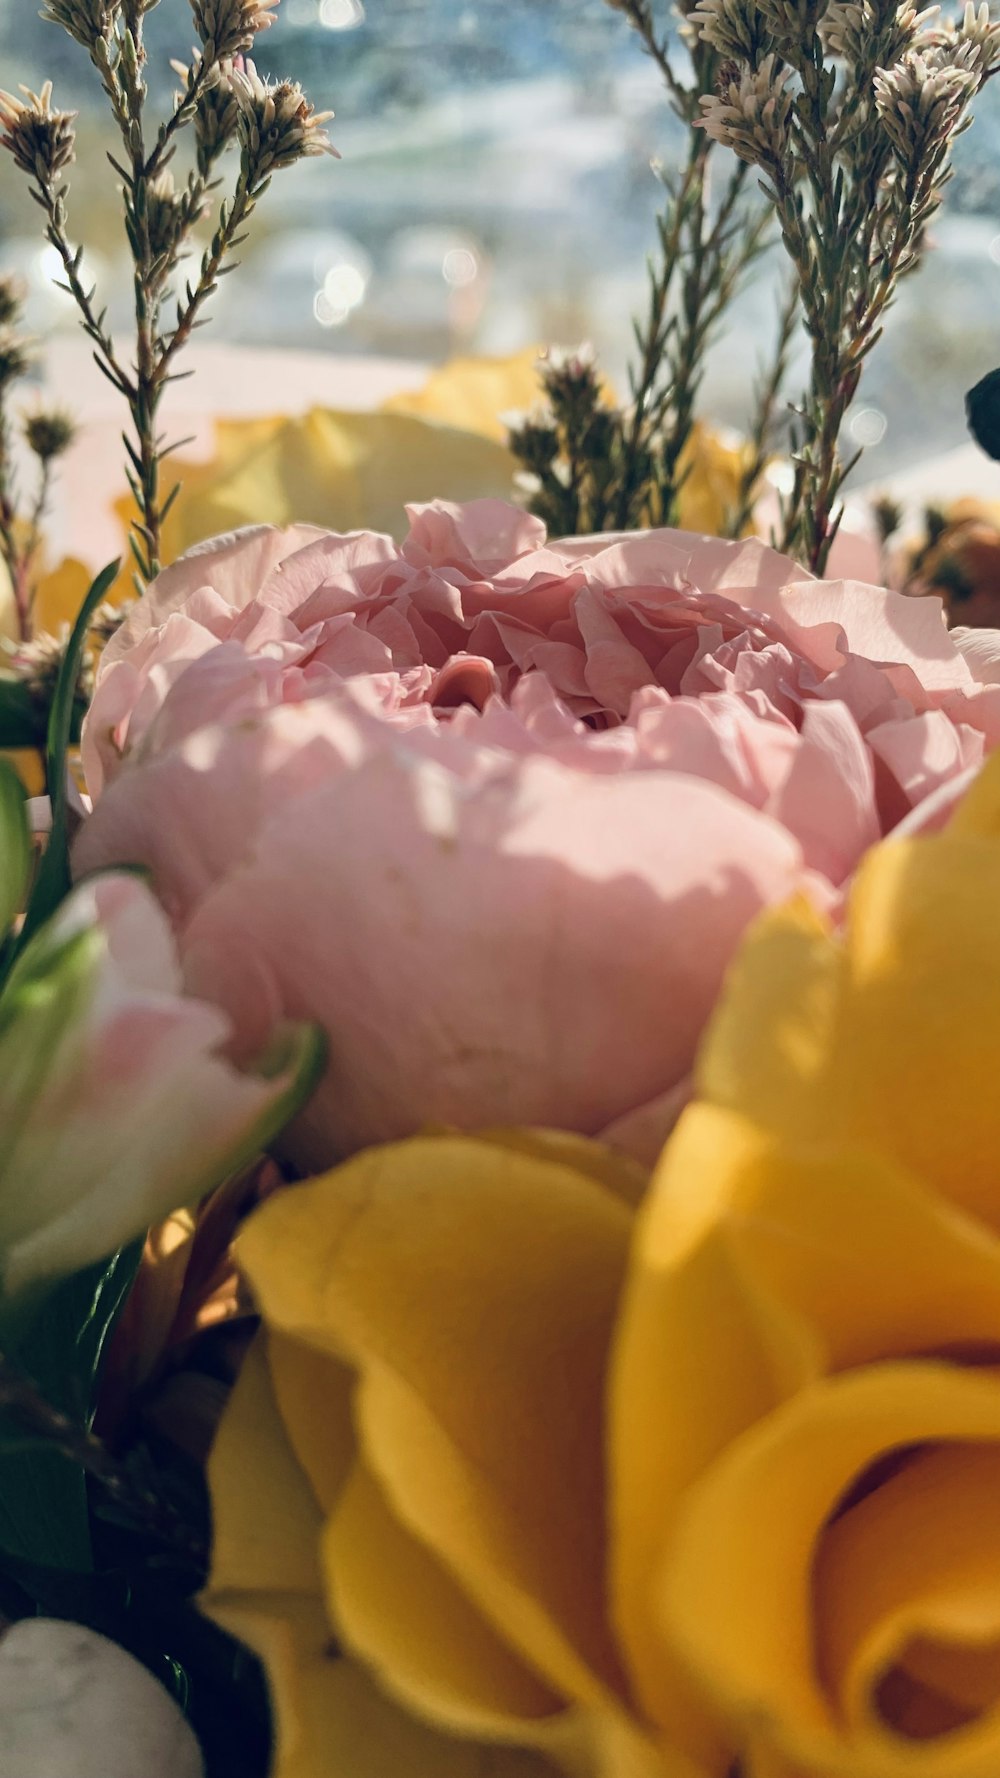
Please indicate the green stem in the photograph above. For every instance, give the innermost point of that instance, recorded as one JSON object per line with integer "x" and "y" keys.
{"x": 186, "y": 104}
{"x": 53, "y": 203}
{"x": 146, "y": 397}
{"x": 222, "y": 243}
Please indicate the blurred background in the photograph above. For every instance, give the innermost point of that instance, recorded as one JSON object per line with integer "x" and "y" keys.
{"x": 495, "y": 191}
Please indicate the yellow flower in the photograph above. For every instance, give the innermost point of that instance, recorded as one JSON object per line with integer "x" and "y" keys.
{"x": 710, "y": 491}
{"x": 354, "y": 471}
{"x": 824, "y": 1228}
{"x": 60, "y": 593}
{"x": 711, "y": 1490}
{"x": 342, "y": 470}
{"x": 414, "y": 1464}
{"x": 472, "y": 393}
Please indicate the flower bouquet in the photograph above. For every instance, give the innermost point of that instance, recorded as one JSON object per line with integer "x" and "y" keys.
{"x": 499, "y": 1221}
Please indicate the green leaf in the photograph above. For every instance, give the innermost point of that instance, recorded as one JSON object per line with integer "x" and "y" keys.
{"x": 22, "y": 720}
{"x": 53, "y": 880}
{"x": 982, "y": 408}
{"x": 44, "y": 1517}
{"x": 100, "y": 1292}
{"x": 15, "y": 847}
{"x": 43, "y": 1506}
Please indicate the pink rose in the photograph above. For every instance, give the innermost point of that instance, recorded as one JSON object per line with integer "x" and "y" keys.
{"x": 496, "y": 812}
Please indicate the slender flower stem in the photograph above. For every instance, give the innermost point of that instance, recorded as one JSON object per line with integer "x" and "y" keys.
{"x": 32, "y": 547}
{"x": 8, "y": 512}
{"x": 226, "y": 237}
{"x": 145, "y": 399}
{"x": 225, "y": 100}
{"x": 640, "y": 17}
{"x": 187, "y": 102}
{"x": 715, "y": 268}
{"x": 53, "y": 203}
{"x": 653, "y": 336}
{"x": 702, "y": 258}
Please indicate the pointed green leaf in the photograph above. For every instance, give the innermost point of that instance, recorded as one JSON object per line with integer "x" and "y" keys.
{"x": 53, "y": 878}
{"x": 44, "y": 1514}
{"x": 15, "y": 847}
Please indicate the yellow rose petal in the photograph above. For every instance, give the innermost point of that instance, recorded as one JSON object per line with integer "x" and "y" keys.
{"x": 475, "y": 1288}
{"x": 60, "y": 594}
{"x": 626, "y": 1178}
{"x": 332, "y": 1721}
{"x": 920, "y": 1030}
{"x": 767, "y": 1053}
{"x": 29, "y": 764}
{"x": 315, "y": 1395}
{"x": 342, "y": 470}
{"x": 907, "y": 1590}
{"x": 786, "y": 1262}
{"x": 405, "y": 1616}
{"x": 875, "y": 1037}
{"x": 265, "y": 1520}
{"x": 710, "y": 476}
{"x": 979, "y": 811}
{"x": 290, "y": 1635}
{"x": 738, "y": 1595}
{"x": 365, "y": 1735}
{"x": 265, "y": 1588}
{"x": 701, "y": 1351}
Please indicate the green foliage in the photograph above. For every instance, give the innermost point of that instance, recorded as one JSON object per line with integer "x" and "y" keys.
{"x": 59, "y": 1343}
{"x": 44, "y": 1517}
{"x": 53, "y": 879}
{"x": 15, "y": 848}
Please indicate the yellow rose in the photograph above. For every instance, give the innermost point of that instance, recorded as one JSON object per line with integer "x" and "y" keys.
{"x": 442, "y": 1519}
{"x": 713, "y": 1489}
{"x": 824, "y": 1229}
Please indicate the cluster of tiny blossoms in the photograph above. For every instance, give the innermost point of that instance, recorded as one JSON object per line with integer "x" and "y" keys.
{"x": 738, "y": 30}
{"x": 227, "y": 28}
{"x": 926, "y": 75}
{"x": 277, "y": 125}
{"x": 921, "y": 99}
{"x": 224, "y": 101}
{"x": 42, "y": 141}
{"x": 849, "y": 109}
{"x": 86, "y": 20}
{"x": 847, "y": 27}
{"x": 751, "y": 109}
